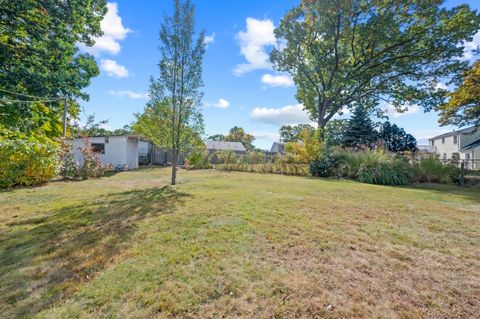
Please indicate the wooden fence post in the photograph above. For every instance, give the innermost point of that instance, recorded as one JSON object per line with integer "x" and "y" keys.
{"x": 462, "y": 174}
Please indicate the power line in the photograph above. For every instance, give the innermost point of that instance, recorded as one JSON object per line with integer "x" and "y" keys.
{"x": 23, "y": 101}
{"x": 33, "y": 96}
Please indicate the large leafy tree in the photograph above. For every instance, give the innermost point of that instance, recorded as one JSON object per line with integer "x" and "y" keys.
{"x": 395, "y": 139}
{"x": 293, "y": 133}
{"x": 238, "y": 134}
{"x": 349, "y": 52}
{"x": 172, "y": 118}
{"x": 335, "y": 132}
{"x": 463, "y": 107}
{"x": 39, "y": 58}
{"x": 360, "y": 131}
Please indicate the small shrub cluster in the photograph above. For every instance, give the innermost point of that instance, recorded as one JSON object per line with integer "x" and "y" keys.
{"x": 198, "y": 159}
{"x": 384, "y": 168}
{"x": 266, "y": 168}
{"x": 91, "y": 166}
{"x": 27, "y": 162}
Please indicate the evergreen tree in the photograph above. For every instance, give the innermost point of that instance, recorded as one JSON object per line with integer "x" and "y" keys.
{"x": 360, "y": 130}
{"x": 395, "y": 139}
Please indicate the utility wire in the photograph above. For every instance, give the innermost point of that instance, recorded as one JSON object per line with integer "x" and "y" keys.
{"x": 55, "y": 98}
{"x": 23, "y": 101}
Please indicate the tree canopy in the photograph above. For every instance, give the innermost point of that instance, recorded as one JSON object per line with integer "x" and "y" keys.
{"x": 293, "y": 133}
{"x": 238, "y": 134}
{"x": 344, "y": 53}
{"x": 38, "y": 50}
{"x": 463, "y": 106}
{"x": 395, "y": 139}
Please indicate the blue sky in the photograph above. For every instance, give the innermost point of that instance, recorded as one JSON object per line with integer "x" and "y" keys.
{"x": 240, "y": 86}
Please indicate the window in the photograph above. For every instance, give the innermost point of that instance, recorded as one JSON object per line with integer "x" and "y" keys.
{"x": 444, "y": 156}
{"x": 433, "y": 142}
{"x": 467, "y": 157}
{"x": 98, "y": 148}
{"x": 443, "y": 140}
{"x": 455, "y": 139}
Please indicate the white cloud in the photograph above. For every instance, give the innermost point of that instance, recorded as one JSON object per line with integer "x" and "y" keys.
{"x": 222, "y": 104}
{"x": 129, "y": 94}
{"x": 268, "y": 136}
{"x": 471, "y": 46}
{"x": 113, "y": 32}
{"x": 209, "y": 39}
{"x": 290, "y": 114}
{"x": 391, "y": 111}
{"x": 253, "y": 42}
{"x": 113, "y": 69}
{"x": 282, "y": 80}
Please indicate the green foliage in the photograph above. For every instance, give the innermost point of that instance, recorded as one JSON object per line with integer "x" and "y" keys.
{"x": 27, "y": 162}
{"x": 463, "y": 107}
{"x": 198, "y": 158}
{"x": 238, "y": 134}
{"x": 253, "y": 157}
{"x": 92, "y": 128}
{"x": 395, "y": 139}
{"x": 38, "y": 50}
{"x": 324, "y": 165}
{"x": 429, "y": 169}
{"x": 293, "y": 133}
{"x": 216, "y": 137}
{"x": 266, "y": 168}
{"x": 360, "y": 132}
{"x": 335, "y": 132}
{"x": 226, "y": 157}
{"x": 347, "y": 53}
{"x": 307, "y": 149}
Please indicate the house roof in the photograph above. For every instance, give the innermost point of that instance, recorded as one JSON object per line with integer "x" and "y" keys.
{"x": 224, "y": 146}
{"x": 472, "y": 146}
{"x": 462, "y": 131}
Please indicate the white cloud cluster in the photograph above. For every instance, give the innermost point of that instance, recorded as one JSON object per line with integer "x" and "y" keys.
{"x": 113, "y": 32}
{"x": 281, "y": 80}
{"x": 253, "y": 42}
{"x": 129, "y": 94}
{"x": 268, "y": 136}
{"x": 222, "y": 104}
{"x": 290, "y": 114}
{"x": 209, "y": 39}
{"x": 114, "y": 69}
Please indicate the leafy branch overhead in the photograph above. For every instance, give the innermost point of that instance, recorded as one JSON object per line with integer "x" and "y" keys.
{"x": 345, "y": 53}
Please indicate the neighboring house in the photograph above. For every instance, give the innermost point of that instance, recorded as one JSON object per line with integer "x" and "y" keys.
{"x": 458, "y": 145}
{"x": 214, "y": 146}
{"x": 277, "y": 147}
{"x": 115, "y": 150}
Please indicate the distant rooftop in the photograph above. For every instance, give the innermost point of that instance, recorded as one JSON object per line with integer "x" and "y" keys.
{"x": 225, "y": 146}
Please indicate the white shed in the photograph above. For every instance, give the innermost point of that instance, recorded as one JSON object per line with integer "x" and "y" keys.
{"x": 115, "y": 150}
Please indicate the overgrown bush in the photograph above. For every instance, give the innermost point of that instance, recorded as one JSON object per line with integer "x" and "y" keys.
{"x": 267, "y": 168}
{"x": 27, "y": 162}
{"x": 226, "y": 157}
{"x": 198, "y": 159}
{"x": 325, "y": 165}
{"x": 92, "y": 166}
{"x": 429, "y": 169}
{"x": 253, "y": 157}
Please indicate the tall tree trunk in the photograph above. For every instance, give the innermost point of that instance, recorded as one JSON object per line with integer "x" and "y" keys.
{"x": 174, "y": 167}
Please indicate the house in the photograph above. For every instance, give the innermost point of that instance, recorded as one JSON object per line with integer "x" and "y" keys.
{"x": 214, "y": 146}
{"x": 277, "y": 147}
{"x": 115, "y": 150}
{"x": 458, "y": 145}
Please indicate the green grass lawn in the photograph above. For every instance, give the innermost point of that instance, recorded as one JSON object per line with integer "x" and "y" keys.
{"x": 238, "y": 245}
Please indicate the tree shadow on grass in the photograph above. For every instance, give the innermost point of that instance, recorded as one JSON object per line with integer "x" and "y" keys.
{"x": 44, "y": 258}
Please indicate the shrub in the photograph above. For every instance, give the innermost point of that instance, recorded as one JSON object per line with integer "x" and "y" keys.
{"x": 253, "y": 157}
{"x": 198, "y": 159}
{"x": 91, "y": 166}
{"x": 269, "y": 168}
{"x": 27, "y": 162}
{"x": 324, "y": 165}
{"x": 429, "y": 169}
{"x": 226, "y": 157}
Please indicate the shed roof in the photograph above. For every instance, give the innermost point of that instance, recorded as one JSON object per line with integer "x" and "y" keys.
{"x": 225, "y": 146}
{"x": 472, "y": 146}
